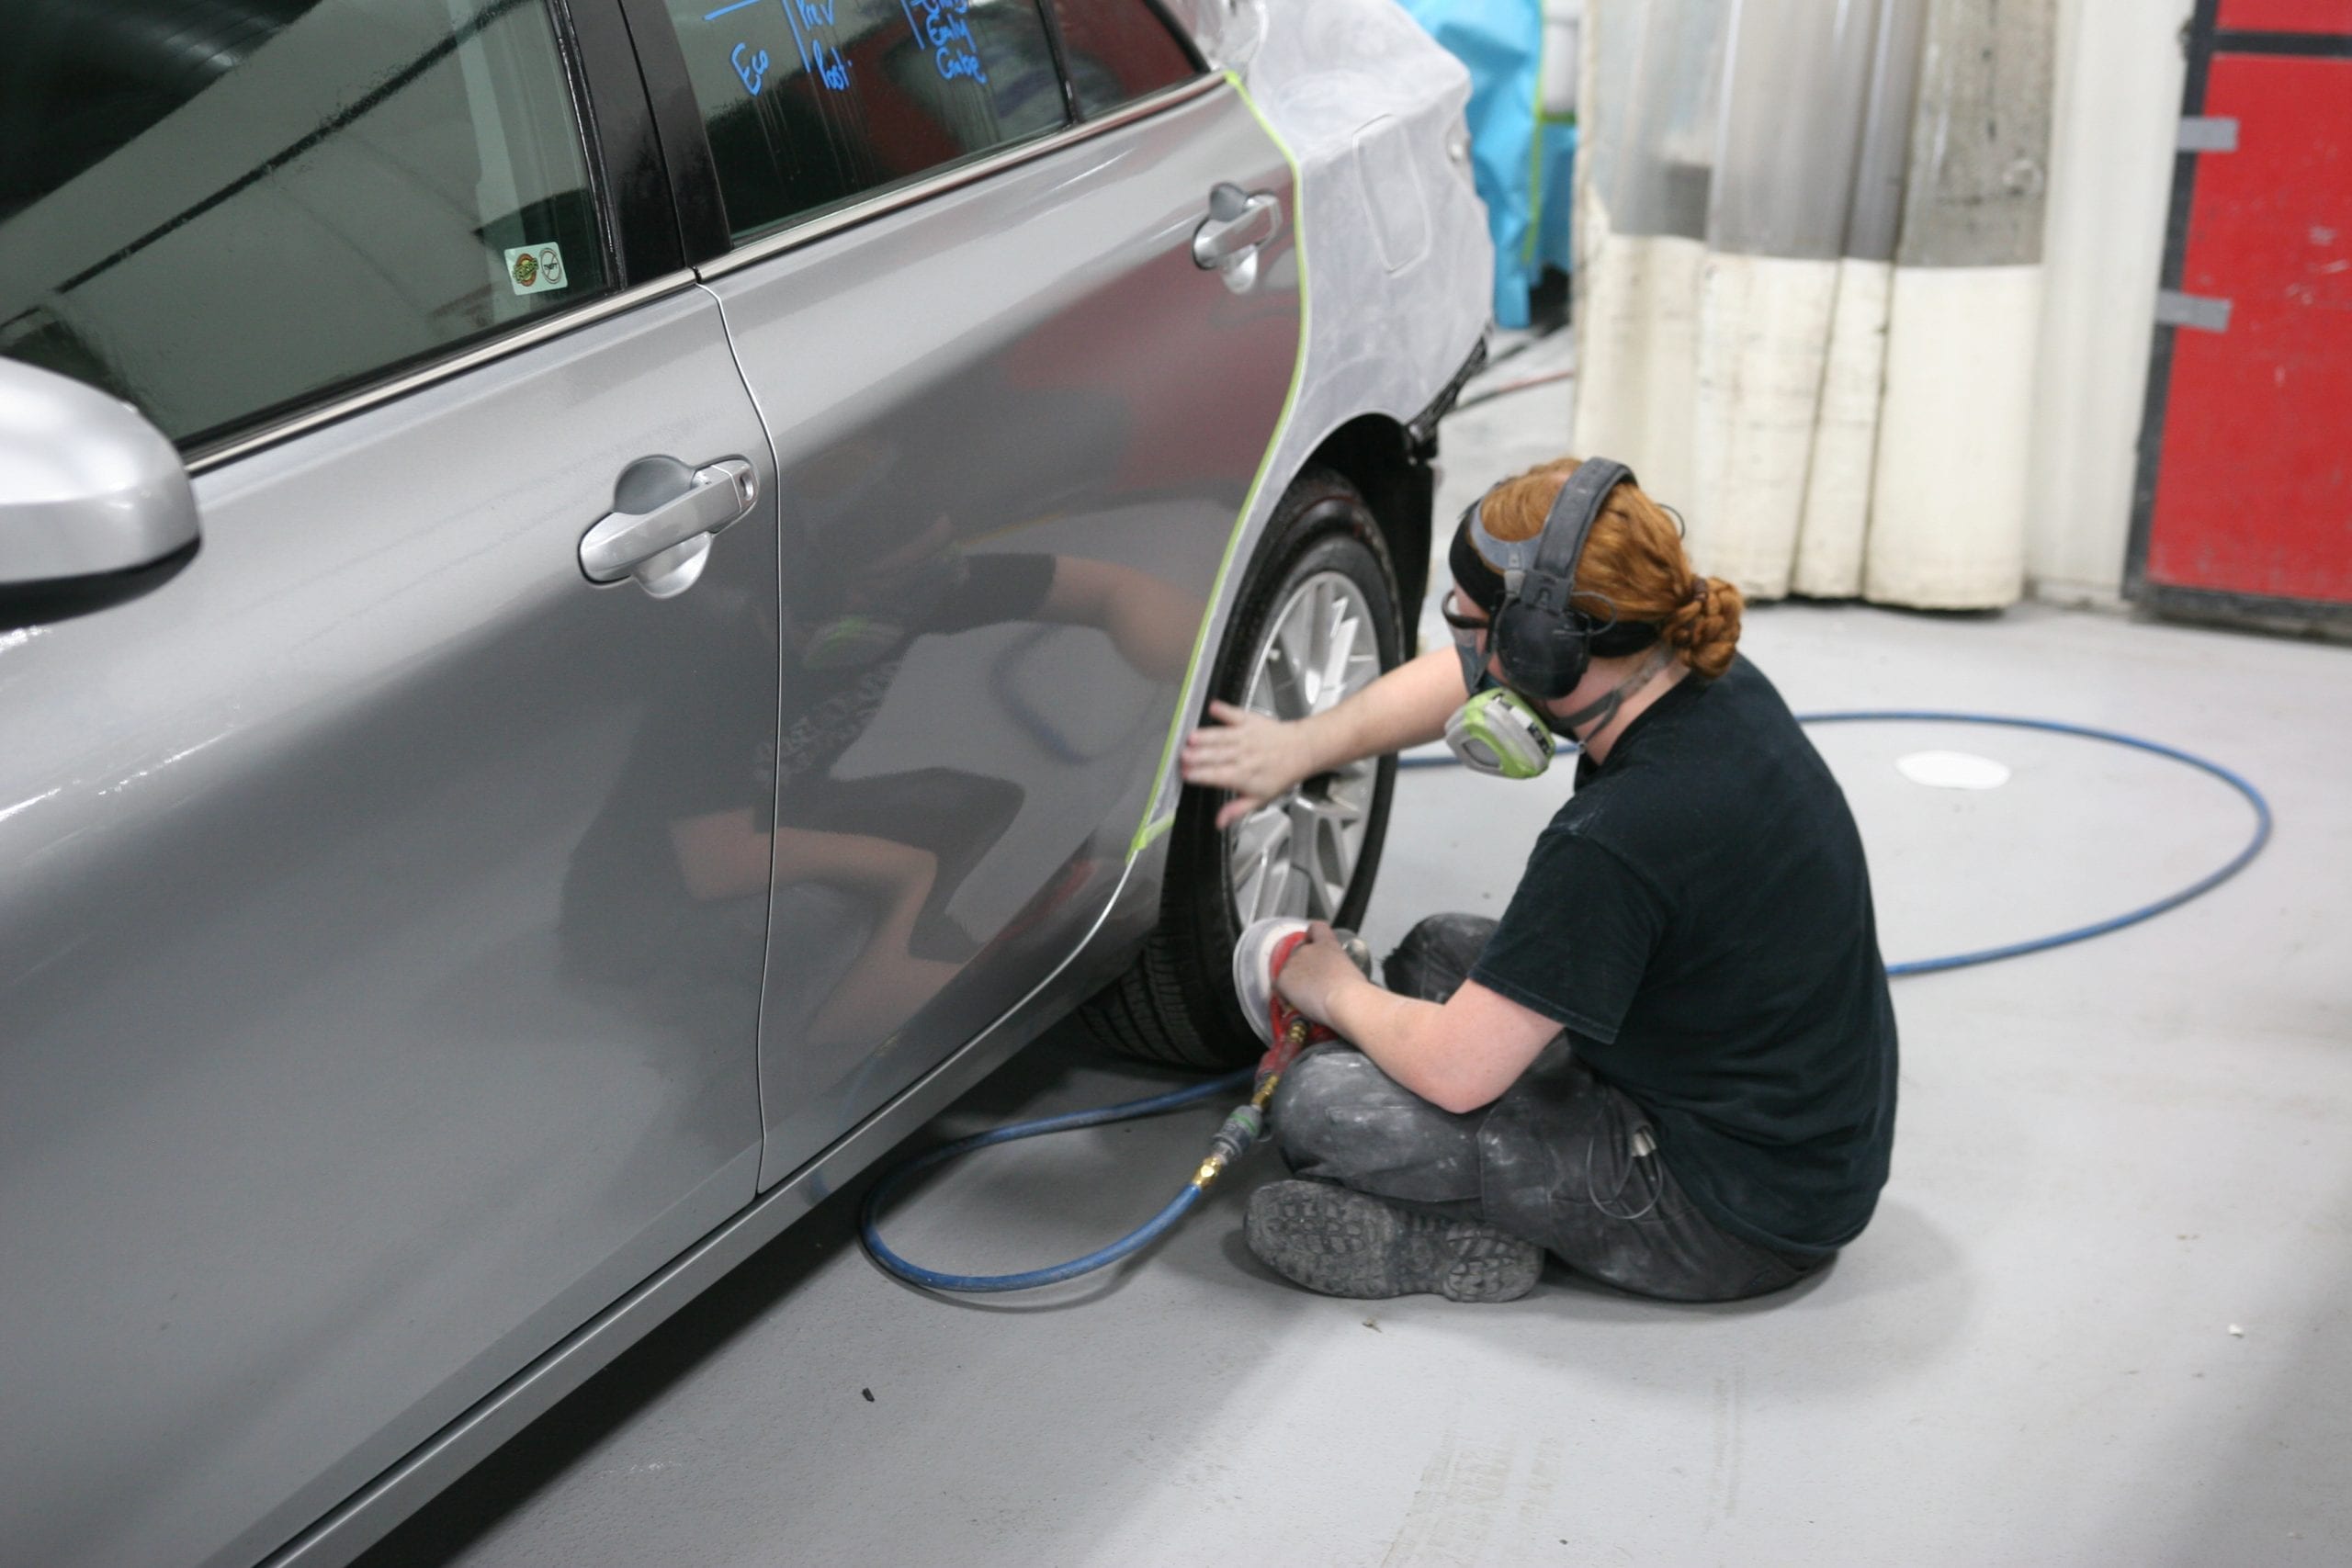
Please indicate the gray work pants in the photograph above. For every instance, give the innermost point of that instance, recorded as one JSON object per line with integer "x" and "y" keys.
{"x": 1561, "y": 1159}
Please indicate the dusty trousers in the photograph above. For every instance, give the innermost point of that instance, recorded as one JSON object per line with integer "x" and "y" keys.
{"x": 1561, "y": 1159}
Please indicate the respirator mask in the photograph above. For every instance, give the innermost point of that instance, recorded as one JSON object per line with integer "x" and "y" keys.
{"x": 1501, "y": 734}
{"x": 1497, "y": 732}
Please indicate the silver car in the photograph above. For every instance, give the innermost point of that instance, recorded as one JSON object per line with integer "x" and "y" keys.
{"x": 595, "y": 597}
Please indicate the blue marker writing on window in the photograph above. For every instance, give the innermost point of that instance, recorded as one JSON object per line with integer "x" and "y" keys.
{"x": 832, "y": 72}
{"x": 941, "y": 27}
{"x": 753, "y": 70}
{"x": 819, "y": 57}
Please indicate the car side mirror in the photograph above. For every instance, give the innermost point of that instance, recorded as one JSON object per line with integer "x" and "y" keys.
{"x": 95, "y": 505}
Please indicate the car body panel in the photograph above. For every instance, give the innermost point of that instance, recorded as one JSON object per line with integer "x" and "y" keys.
{"x": 1391, "y": 233}
{"x": 1028, "y": 376}
{"x": 354, "y": 929}
{"x": 328, "y": 1098}
{"x": 366, "y": 1516}
{"x": 1395, "y": 235}
{"x": 1228, "y": 33}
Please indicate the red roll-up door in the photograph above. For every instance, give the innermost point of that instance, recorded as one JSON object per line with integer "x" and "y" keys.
{"x": 2286, "y": 15}
{"x": 2246, "y": 491}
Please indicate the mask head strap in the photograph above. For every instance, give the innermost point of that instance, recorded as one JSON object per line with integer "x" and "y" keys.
{"x": 1546, "y": 579}
{"x": 1542, "y": 639}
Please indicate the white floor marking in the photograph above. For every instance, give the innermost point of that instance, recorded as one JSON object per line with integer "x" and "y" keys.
{"x": 1952, "y": 770}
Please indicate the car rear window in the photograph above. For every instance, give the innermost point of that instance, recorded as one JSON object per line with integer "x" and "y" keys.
{"x": 812, "y": 103}
{"x": 1118, "y": 51}
{"x": 221, "y": 212}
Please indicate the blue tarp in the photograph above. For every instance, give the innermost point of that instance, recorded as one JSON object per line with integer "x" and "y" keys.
{"x": 1556, "y": 188}
{"x": 1527, "y": 196}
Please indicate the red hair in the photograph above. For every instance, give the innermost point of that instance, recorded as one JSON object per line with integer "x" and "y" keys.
{"x": 1634, "y": 558}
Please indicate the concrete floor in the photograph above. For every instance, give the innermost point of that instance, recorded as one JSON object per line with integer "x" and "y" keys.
{"x": 2111, "y": 1160}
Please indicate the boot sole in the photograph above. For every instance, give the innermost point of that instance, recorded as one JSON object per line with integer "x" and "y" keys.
{"x": 1343, "y": 1243}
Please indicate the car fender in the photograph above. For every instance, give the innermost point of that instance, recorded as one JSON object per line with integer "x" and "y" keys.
{"x": 1397, "y": 268}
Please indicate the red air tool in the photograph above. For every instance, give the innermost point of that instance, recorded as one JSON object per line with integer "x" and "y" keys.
{"x": 1258, "y": 960}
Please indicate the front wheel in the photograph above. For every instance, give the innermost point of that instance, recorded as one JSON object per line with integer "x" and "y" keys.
{"x": 1317, "y": 621}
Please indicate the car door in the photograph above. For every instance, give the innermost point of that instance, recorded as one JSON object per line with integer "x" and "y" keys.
{"x": 1017, "y": 294}
{"x": 360, "y": 1034}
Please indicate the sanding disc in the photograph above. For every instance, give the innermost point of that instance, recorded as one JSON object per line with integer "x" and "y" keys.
{"x": 1253, "y": 970}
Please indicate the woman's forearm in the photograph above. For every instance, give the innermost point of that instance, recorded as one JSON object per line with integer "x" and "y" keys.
{"x": 1458, "y": 1054}
{"x": 1396, "y": 1032}
{"x": 1407, "y": 706}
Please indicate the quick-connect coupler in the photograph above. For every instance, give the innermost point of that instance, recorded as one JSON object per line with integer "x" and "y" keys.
{"x": 1241, "y": 1130}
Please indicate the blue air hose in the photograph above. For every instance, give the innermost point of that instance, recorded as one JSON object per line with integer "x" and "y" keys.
{"x": 1012, "y": 1132}
{"x": 2206, "y": 883}
{"x": 1161, "y": 1222}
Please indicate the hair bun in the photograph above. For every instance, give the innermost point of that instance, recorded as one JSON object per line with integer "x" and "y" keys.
{"x": 1705, "y": 626}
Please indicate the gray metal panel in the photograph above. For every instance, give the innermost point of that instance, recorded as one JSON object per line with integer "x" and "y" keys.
{"x": 1031, "y": 367}
{"x": 1980, "y": 137}
{"x": 362, "y": 1039}
{"x": 1876, "y": 219}
{"x": 1784, "y": 162}
{"x": 2204, "y": 313}
{"x": 2208, "y": 133}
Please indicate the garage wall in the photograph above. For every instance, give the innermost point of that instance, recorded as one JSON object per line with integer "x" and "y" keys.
{"x": 2119, "y": 72}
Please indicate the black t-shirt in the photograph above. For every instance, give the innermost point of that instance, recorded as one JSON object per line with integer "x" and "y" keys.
{"x": 1698, "y": 918}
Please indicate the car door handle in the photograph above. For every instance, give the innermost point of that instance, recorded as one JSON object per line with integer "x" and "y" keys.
{"x": 662, "y": 542}
{"x": 1238, "y": 223}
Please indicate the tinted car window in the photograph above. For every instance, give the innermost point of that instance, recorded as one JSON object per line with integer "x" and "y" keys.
{"x": 1118, "y": 50}
{"x": 218, "y": 212}
{"x": 810, "y": 103}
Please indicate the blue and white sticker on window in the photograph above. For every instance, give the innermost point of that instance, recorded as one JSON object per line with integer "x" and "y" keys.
{"x": 536, "y": 269}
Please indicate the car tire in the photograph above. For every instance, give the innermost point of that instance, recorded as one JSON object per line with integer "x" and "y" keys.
{"x": 1322, "y": 563}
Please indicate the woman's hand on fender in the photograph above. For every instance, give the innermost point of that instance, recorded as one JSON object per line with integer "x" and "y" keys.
{"x": 1257, "y": 758}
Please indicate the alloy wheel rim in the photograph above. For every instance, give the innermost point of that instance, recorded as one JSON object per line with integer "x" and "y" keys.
{"x": 1296, "y": 855}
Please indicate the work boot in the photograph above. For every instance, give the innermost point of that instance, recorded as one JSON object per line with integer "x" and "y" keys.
{"x": 1345, "y": 1242}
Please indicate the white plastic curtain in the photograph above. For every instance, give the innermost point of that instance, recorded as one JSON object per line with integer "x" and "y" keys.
{"x": 1809, "y": 248}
